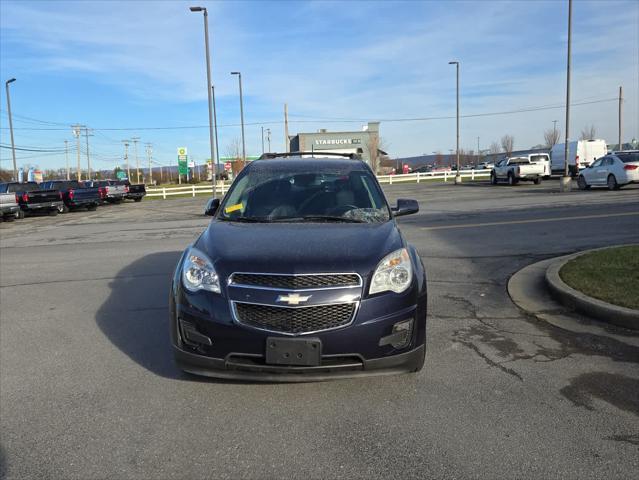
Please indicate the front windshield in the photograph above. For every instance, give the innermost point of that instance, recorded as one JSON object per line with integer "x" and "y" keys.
{"x": 299, "y": 195}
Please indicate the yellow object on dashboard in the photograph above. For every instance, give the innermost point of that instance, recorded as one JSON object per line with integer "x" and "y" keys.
{"x": 233, "y": 208}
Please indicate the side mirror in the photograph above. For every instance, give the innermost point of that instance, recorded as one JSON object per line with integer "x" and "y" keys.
{"x": 211, "y": 206}
{"x": 405, "y": 207}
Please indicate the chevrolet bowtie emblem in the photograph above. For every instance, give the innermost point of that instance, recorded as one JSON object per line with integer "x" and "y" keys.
{"x": 293, "y": 299}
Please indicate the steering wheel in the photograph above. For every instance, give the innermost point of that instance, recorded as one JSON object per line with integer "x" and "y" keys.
{"x": 342, "y": 209}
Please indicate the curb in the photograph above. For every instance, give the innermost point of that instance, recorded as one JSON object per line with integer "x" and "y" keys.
{"x": 620, "y": 316}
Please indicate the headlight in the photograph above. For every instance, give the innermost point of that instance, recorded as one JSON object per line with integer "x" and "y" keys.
{"x": 394, "y": 273}
{"x": 198, "y": 272}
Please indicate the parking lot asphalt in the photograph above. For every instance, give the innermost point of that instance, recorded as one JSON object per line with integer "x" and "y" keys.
{"x": 88, "y": 388}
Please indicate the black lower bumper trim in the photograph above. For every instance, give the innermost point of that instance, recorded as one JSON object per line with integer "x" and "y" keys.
{"x": 240, "y": 367}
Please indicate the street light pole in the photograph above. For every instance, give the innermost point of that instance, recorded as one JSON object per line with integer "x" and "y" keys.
{"x": 262, "y": 140}
{"x": 217, "y": 147}
{"x": 268, "y": 138}
{"x": 239, "y": 76}
{"x": 209, "y": 85}
{"x": 77, "y": 131}
{"x": 137, "y": 160}
{"x": 565, "y": 181}
{"x": 457, "y": 176}
{"x": 13, "y": 146}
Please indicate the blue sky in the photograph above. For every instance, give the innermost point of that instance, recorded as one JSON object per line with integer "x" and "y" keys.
{"x": 140, "y": 64}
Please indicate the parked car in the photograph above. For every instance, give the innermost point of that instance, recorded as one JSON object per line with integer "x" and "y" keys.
{"x": 613, "y": 171}
{"x": 516, "y": 169}
{"x": 486, "y": 165}
{"x": 9, "y": 208}
{"x": 331, "y": 289}
{"x": 135, "y": 192}
{"x": 74, "y": 194}
{"x": 111, "y": 191}
{"x": 32, "y": 198}
{"x": 581, "y": 154}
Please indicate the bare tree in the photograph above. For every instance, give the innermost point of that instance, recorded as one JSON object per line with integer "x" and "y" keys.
{"x": 234, "y": 149}
{"x": 507, "y": 144}
{"x": 551, "y": 137}
{"x": 373, "y": 146}
{"x": 589, "y": 132}
{"x": 495, "y": 148}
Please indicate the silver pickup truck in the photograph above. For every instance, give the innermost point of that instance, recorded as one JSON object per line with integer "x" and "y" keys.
{"x": 516, "y": 169}
{"x": 9, "y": 208}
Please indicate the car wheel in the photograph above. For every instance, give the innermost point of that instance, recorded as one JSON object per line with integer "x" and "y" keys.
{"x": 53, "y": 212}
{"x": 511, "y": 179}
{"x": 137, "y": 199}
{"x": 612, "y": 183}
{"x": 20, "y": 214}
{"x": 537, "y": 180}
{"x": 92, "y": 207}
{"x": 581, "y": 183}
{"x": 63, "y": 209}
{"x": 493, "y": 179}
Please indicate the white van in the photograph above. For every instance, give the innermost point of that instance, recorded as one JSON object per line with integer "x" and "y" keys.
{"x": 581, "y": 154}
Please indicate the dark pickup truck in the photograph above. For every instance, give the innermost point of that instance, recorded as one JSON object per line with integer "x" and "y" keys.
{"x": 75, "y": 194}
{"x": 32, "y": 198}
{"x": 135, "y": 192}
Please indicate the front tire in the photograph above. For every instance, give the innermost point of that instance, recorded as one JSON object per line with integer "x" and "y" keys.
{"x": 92, "y": 207}
{"x": 612, "y": 183}
{"x": 581, "y": 183}
{"x": 137, "y": 199}
{"x": 537, "y": 180}
{"x": 493, "y": 179}
{"x": 511, "y": 180}
{"x": 53, "y": 212}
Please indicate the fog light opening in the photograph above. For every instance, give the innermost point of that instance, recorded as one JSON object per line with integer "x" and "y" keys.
{"x": 401, "y": 335}
{"x": 191, "y": 336}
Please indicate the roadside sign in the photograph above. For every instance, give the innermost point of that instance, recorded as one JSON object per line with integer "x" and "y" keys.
{"x": 228, "y": 167}
{"x": 191, "y": 164}
{"x": 183, "y": 157}
{"x": 120, "y": 174}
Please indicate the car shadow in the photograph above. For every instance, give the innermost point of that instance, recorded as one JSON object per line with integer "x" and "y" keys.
{"x": 135, "y": 316}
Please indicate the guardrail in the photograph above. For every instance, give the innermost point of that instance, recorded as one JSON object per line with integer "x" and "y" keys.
{"x": 418, "y": 176}
{"x": 221, "y": 189}
{"x": 186, "y": 190}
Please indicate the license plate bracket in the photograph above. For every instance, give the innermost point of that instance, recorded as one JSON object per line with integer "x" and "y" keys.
{"x": 305, "y": 352}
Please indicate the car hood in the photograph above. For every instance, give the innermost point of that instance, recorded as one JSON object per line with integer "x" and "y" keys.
{"x": 298, "y": 247}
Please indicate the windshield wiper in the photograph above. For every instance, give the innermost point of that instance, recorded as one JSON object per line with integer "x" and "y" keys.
{"x": 246, "y": 219}
{"x": 324, "y": 218}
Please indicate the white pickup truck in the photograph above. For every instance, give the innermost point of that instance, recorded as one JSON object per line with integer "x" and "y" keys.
{"x": 9, "y": 208}
{"x": 516, "y": 169}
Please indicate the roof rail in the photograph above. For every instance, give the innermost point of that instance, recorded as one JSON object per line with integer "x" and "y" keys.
{"x": 352, "y": 156}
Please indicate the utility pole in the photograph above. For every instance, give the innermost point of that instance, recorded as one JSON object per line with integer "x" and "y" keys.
{"x": 457, "y": 176}
{"x": 66, "y": 156}
{"x": 262, "y": 140}
{"x": 126, "y": 159}
{"x": 478, "y": 151}
{"x": 565, "y": 182}
{"x": 137, "y": 160}
{"x": 239, "y": 76}
{"x": 13, "y": 146}
{"x": 620, "y": 103}
{"x": 268, "y": 138}
{"x": 286, "y": 141}
{"x": 149, "y": 153}
{"x": 77, "y": 131}
{"x": 86, "y": 135}
{"x": 217, "y": 148}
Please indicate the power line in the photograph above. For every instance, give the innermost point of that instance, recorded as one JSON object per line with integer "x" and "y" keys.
{"x": 359, "y": 120}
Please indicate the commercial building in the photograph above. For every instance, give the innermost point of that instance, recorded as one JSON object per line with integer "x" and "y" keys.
{"x": 364, "y": 142}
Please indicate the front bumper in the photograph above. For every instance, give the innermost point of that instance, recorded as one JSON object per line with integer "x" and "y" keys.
{"x": 247, "y": 367}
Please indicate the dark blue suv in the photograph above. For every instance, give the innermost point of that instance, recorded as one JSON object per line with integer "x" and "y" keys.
{"x": 301, "y": 275}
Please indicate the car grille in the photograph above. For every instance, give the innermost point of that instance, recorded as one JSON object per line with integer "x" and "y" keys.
{"x": 295, "y": 282}
{"x": 295, "y": 320}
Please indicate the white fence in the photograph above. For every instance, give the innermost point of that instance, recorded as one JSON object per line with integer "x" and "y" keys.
{"x": 421, "y": 176}
{"x": 221, "y": 188}
{"x": 192, "y": 190}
